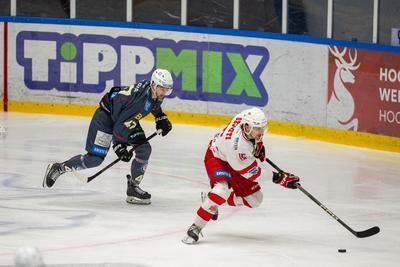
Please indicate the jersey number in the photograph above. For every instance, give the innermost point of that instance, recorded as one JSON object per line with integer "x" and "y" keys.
{"x": 138, "y": 116}
{"x": 130, "y": 124}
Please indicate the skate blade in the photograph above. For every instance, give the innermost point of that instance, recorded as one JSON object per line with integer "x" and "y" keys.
{"x": 138, "y": 201}
{"x": 188, "y": 240}
{"x": 44, "y": 185}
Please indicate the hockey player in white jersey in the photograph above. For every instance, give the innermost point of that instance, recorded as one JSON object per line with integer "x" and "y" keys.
{"x": 232, "y": 167}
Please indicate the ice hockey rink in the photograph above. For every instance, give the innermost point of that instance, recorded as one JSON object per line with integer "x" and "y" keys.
{"x": 78, "y": 224}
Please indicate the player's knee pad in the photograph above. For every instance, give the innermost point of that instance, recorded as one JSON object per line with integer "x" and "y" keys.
{"x": 143, "y": 152}
{"x": 255, "y": 199}
{"x": 91, "y": 160}
{"x": 216, "y": 197}
{"x": 219, "y": 193}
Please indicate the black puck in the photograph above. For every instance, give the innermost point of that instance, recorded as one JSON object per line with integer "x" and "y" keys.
{"x": 342, "y": 250}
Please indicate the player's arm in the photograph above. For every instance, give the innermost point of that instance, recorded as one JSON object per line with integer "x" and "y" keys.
{"x": 245, "y": 164}
{"x": 123, "y": 130}
{"x": 125, "y": 118}
{"x": 106, "y": 101}
{"x": 259, "y": 151}
{"x": 157, "y": 110}
{"x": 120, "y": 99}
{"x": 162, "y": 121}
{"x": 285, "y": 179}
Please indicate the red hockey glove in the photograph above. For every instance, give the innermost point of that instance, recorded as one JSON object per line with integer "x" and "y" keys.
{"x": 285, "y": 179}
{"x": 259, "y": 151}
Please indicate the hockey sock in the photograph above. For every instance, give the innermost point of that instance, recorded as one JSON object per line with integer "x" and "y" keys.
{"x": 80, "y": 162}
{"x": 138, "y": 168}
{"x": 202, "y": 218}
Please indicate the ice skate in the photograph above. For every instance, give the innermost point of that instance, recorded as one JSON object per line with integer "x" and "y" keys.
{"x": 52, "y": 173}
{"x": 135, "y": 195}
{"x": 192, "y": 235}
{"x": 203, "y": 198}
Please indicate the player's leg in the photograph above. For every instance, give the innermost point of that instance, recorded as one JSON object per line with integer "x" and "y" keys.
{"x": 244, "y": 192}
{"x": 219, "y": 175}
{"x": 203, "y": 199}
{"x": 135, "y": 195}
{"x": 252, "y": 201}
{"x": 215, "y": 198}
{"x": 98, "y": 142}
{"x": 75, "y": 163}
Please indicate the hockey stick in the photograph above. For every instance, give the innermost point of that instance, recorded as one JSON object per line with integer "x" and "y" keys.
{"x": 90, "y": 178}
{"x": 360, "y": 234}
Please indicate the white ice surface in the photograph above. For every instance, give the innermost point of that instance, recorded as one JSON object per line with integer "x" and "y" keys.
{"x": 75, "y": 223}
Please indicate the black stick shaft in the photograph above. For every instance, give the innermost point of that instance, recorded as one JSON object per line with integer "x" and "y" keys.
{"x": 325, "y": 209}
{"x": 273, "y": 165}
{"x": 90, "y": 178}
{"x": 118, "y": 159}
{"x": 369, "y": 232}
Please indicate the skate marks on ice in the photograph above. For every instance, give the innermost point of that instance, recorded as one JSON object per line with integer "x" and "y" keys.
{"x": 287, "y": 230}
{"x": 15, "y": 194}
{"x": 19, "y": 202}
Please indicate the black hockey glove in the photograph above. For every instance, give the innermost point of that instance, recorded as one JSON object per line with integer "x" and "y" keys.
{"x": 163, "y": 123}
{"x": 285, "y": 179}
{"x": 122, "y": 152}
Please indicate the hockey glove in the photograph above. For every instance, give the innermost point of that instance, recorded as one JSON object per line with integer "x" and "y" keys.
{"x": 164, "y": 124}
{"x": 122, "y": 152}
{"x": 259, "y": 151}
{"x": 285, "y": 179}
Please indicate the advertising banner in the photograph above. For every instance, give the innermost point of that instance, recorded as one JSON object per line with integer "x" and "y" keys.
{"x": 364, "y": 91}
{"x": 213, "y": 74}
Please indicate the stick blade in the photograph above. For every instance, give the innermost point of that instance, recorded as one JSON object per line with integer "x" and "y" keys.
{"x": 369, "y": 232}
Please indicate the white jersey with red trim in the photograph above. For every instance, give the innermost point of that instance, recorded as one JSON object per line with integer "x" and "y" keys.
{"x": 232, "y": 146}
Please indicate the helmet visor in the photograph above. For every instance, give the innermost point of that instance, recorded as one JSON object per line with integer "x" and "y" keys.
{"x": 260, "y": 129}
{"x": 166, "y": 90}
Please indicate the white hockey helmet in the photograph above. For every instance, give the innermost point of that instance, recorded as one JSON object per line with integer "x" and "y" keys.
{"x": 162, "y": 78}
{"x": 254, "y": 117}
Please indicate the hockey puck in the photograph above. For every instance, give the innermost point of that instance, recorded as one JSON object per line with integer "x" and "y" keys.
{"x": 342, "y": 250}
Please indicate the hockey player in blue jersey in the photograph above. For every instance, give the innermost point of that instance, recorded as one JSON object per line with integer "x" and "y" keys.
{"x": 117, "y": 121}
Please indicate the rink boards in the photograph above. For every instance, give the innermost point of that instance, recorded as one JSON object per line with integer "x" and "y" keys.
{"x": 324, "y": 91}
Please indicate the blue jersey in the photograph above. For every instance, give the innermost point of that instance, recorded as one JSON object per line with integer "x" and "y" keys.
{"x": 128, "y": 106}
